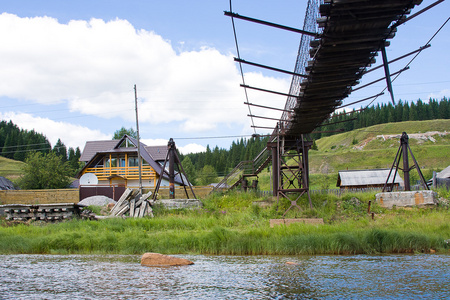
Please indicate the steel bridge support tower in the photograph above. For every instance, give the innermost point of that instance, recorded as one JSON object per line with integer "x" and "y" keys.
{"x": 290, "y": 168}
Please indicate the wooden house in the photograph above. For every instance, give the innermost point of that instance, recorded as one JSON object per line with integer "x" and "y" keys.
{"x": 358, "y": 179}
{"x": 116, "y": 163}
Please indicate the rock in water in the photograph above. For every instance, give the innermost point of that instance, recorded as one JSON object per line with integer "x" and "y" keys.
{"x": 156, "y": 259}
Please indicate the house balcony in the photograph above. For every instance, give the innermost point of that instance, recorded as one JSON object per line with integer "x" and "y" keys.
{"x": 128, "y": 173}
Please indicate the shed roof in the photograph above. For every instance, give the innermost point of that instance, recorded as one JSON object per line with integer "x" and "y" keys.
{"x": 444, "y": 173}
{"x": 366, "y": 177}
{"x": 6, "y": 184}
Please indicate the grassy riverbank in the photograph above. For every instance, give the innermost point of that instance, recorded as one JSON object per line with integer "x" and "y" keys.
{"x": 231, "y": 224}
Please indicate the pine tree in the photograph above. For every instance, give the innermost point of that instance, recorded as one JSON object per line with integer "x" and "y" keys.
{"x": 189, "y": 169}
{"x": 9, "y": 146}
{"x": 19, "y": 153}
{"x": 405, "y": 114}
{"x": 444, "y": 109}
{"x": 60, "y": 150}
{"x": 413, "y": 112}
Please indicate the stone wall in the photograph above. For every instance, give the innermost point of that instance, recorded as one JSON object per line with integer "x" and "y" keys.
{"x": 179, "y": 203}
{"x": 404, "y": 199}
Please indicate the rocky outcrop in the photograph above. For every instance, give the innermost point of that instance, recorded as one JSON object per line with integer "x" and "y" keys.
{"x": 161, "y": 260}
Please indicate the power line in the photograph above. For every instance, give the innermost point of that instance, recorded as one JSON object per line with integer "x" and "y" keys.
{"x": 217, "y": 137}
{"x": 32, "y": 150}
{"x": 25, "y": 145}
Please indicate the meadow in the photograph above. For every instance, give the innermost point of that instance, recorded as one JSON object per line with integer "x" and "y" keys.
{"x": 234, "y": 224}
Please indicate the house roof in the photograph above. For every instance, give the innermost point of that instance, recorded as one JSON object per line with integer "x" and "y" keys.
{"x": 157, "y": 152}
{"x": 366, "y": 177}
{"x": 6, "y": 184}
{"x": 91, "y": 148}
{"x": 154, "y": 155}
{"x": 444, "y": 173}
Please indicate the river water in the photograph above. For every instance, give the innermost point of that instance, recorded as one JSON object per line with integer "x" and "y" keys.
{"x": 420, "y": 276}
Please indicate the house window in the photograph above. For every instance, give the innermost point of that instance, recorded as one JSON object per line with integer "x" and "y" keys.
{"x": 127, "y": 144}
{"x": 133, "y": 162}
{"x": 122, "y": 162}
{"x": 111, "y": 162}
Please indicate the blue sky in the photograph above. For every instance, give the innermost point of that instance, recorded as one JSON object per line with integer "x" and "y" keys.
{"x": 68, "y": 67}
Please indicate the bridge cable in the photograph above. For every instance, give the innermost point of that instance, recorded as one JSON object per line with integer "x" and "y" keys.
{"x": 414, "y": 57}
{"x": 398, "y": 74}
{"x": 240, "y": 67}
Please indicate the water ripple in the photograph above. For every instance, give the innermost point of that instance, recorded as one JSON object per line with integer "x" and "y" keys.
{"x": 225, "y": 277}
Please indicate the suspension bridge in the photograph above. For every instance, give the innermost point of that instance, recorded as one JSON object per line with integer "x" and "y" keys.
{"x": 339, "y": 43}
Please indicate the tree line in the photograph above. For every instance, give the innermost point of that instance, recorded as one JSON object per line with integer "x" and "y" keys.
{"x": 204, "y": 167}
{"x": 18, "y": 144}
{"x": 385, "y": 113}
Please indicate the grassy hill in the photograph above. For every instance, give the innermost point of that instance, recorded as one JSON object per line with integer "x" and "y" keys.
{"x": 10, "y": 168}
{"x": 375, "y": 147}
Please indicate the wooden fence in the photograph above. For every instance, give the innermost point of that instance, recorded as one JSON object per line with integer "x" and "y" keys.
{"x": 39, "y": 196}
{"x": 200, "y": 192}
{"x": 73, "y": 195}
{"x": 339, "y": 192}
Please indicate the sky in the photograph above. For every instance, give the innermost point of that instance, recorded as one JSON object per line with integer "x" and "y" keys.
{"x": 68, "y": 68}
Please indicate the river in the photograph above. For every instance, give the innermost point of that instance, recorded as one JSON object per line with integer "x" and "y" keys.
{"x": 420, "y": 276}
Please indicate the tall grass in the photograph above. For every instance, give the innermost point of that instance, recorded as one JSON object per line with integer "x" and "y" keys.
{"x": 232, "y": 224}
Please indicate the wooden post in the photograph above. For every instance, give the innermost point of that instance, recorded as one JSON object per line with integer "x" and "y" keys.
{"x": 139, "y": 144}
{"x": 171, "y": 147}
{"x": 404, "y": 141}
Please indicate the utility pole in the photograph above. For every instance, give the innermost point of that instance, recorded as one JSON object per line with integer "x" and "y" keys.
{"x": 139, "y": 143}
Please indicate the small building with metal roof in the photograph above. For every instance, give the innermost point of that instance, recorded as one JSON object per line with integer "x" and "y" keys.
{"x": 357, "y": 179}
{"x": 441, "y": 178}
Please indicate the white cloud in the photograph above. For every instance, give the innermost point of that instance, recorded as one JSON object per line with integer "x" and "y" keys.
{"x": 191, "y": 148}
{"x": 93, "y": 65}
{"x": 71, "y": 135}
{"x": 439, "y": 96}
{"x": 154, "y": 142}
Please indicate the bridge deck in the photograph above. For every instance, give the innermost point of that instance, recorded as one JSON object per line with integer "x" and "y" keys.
{"x": 353, "y": 32}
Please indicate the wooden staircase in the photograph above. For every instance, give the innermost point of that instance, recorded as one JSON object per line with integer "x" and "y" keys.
{"x": 248, "y": 168}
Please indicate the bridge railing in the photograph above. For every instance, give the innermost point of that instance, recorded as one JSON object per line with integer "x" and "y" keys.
{"x": 309, "y": 24}
{"x": 245, "y": 169}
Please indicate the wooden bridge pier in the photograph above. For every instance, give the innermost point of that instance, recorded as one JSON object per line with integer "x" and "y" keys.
{"x": 290, "y": 167}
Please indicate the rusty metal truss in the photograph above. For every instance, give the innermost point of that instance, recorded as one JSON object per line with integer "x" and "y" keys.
{"x": 290, "y": 167}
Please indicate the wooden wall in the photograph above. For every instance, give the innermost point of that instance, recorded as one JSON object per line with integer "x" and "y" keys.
{"x": 73, "y": 196}
{"x": 200, "y": 192}
{"x": 39, "y": 196}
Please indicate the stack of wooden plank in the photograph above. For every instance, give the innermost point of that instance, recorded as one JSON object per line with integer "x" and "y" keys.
{"x": 42, "y": 212}
{"x": 133, "y": 204}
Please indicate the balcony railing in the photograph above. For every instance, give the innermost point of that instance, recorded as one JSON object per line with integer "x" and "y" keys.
{"x": 104, "y": 173}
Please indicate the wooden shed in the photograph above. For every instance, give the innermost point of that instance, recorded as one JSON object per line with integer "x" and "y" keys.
{"x": 358, "y": 179}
